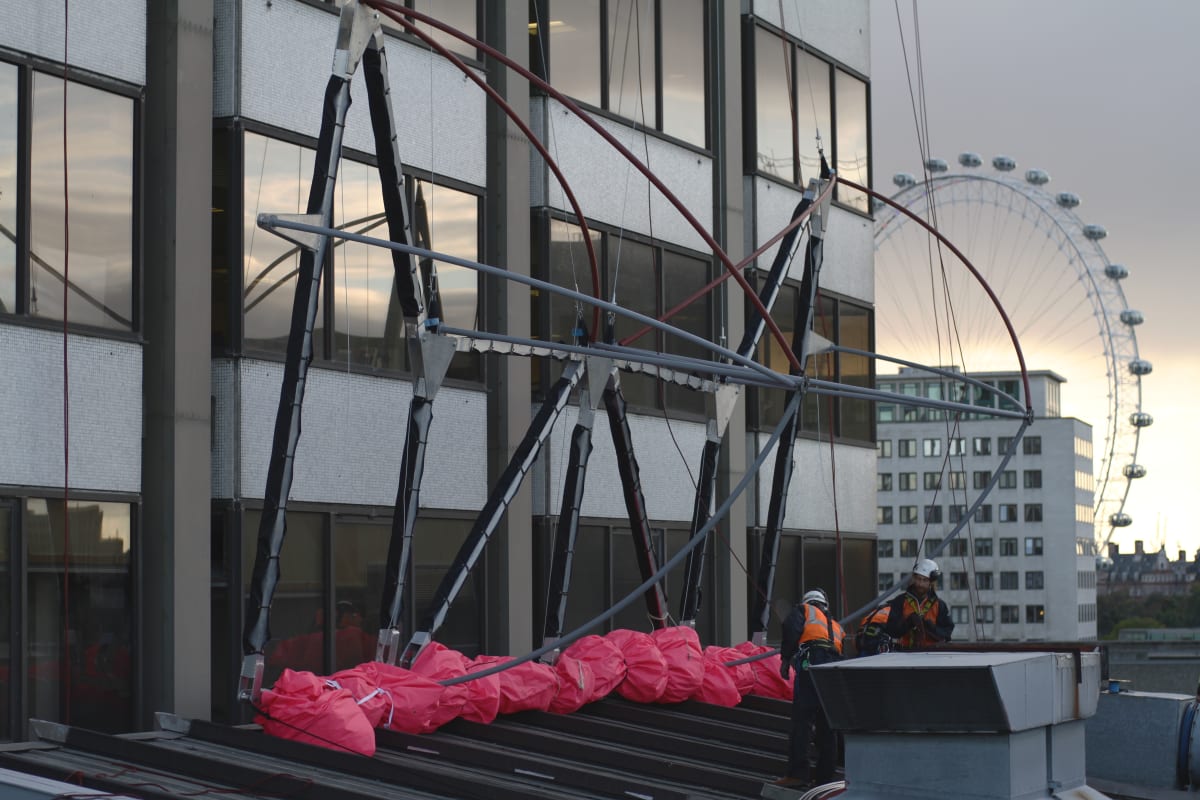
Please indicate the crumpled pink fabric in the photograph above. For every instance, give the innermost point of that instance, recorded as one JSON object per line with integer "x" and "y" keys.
{"x": 719, "y": 686}
{"x": 680, "y": 647}
{"x": 529, "y": 686}
{"x": 606, "y": 661}
{"x": 743, "y": 674}
{"x": 438, "y": 662}
{"x": 645, "y": 668}
{"x": 767, "y": 681}
{"x": 306, "y": 708}
{"x": 576, "y": 684}
{"x": 415, "y": 702}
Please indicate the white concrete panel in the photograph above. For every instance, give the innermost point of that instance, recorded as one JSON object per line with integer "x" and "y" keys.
{"x": 287, "y": 51}
{"x": 226, "y": 31}
{"x": 611, "y": 190}
{"x": 224, "y": 462}
{"x": 840, "y": 29}
{"x": 105, "y": 416}
{"x": 810, "y": 502}
{"x": 104, "y": 36}
{"x": 849, "y": 264}
{"x": 664, "y": 470}
{"x": 353, "y": 439}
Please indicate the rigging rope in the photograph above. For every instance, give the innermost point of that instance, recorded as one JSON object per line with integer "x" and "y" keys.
{"x": 66, "y": 386}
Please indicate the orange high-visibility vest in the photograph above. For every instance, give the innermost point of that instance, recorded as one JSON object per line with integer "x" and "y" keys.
{"x": 820, "y": 628}
{"x": 928, "y": 609}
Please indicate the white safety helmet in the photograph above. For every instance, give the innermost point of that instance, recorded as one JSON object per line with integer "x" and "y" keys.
{"x": 817, "y": 598}
{"x": 927, "y": 568}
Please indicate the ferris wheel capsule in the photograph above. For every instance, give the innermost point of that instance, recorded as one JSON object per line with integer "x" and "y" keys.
{"x": 1133, "y": 471}
{"x": 970, "y": 159}
{"x": 936, "y": 164}
{"x": 1038, "y": 177}
{"x": 1140, "y": 419}
{"x": 1140, "y": 366}
{"x": 1067, "y": 199}
{"x": 1004, "y": 163}
{"x": 1120, "y": 520}
{"x": 1117, "y": 272}
{"x": 904, "y": 180}
{"x": 1094, "y": 232}
{"x": 1131, "y": 317}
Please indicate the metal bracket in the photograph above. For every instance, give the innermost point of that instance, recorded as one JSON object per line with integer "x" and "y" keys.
{"x": 309, "y": 241}
{"x": 388, "y": 646}
{"x": 596, "y": 371}
{"x": 172, "y": 723}
{"x": 434, "y": 354}
{"x": 819, "y": 221}
{"x": 250, "y": 685}
{"x": 725, "y": 401}
{"x": 815, "y": 343}
{"x": 355, "y": 28}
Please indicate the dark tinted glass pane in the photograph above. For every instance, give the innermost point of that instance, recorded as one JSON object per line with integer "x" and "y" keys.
{"x": 820, "y": 571}
{"x": 574, "y": 27}
{"x": 854, "y": 331}
{"x": 569, "y": 268}
{"x": 277, "y": 179}
{"x": 225, "y": 253}
{"x": 454, "y": 230}
{"x": 634, "y": 281}
{"x": 298, "y": 624}
{"x": 589, "y": 579}
{"x": 631, "y": 85}
{"x": 788, "y": 585}
{"x": 817, "y": 409}
{"x": 457, "y": 13}
{"x": 359, "y": 559}
{"x": 627, "y": 575}
{"x": 683, "y": 69}
{"x": 773, "y": 105}
{"x": 858, "y": 560}
{"x": 100, "y": 195}
{"x": 852, "y": 155}
{"x": 772, "y": 402}
{"x": 683, "y": 277}
{"x": 8, "y": 190}
{"x": 80, "y": 613}
{"x": 5, "y": 632}
{"x": 812, "y": 113}
{"x": 435, "y": 548}
{"x": 676, "y": 539}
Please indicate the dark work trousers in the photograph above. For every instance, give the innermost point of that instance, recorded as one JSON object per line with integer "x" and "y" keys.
{"x": 806, "y": 710}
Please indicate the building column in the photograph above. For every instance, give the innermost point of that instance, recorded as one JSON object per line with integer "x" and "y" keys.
{"x": 506, "y": 308}
{"x": 176, "y": 485}
{"x": 731, "y": 232}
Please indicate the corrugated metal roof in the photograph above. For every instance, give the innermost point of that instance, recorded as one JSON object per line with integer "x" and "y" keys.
{"x": 609, "y": 749}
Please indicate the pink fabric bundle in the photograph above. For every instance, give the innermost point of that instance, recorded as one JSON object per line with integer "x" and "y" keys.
{"x": 437, "y": 663}
{"x": 306, "y": 708}
{"x": 645, "y": 668}
{"x": 526, "y": 687}
{"x": 767, "y": 681}
{"x": 576, "y": 684}
{"x": 680, "y": 648}
{"x": 605, "y": 660}
{"x": 415, "y": 703}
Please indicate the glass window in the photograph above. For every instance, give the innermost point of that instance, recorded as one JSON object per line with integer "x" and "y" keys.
{"x": 907, "y": 448}
{"x": 632, "y": 277}
{"x": 933, "y": 447}
{"x": 683, "y": 276}
{"x": 80, "y": 662}
{"x": 1008, "y": 580}
{"x": 983, "y": 513}
{"x": 957, "y": 512}
{"x": 957, "y": 447}
{"x": 683, "y": 70}
{"x": 908, "y": 516}
{"x": 100, "y": 167}
{"x": 883, "y": 448}
{"x": 9, "y": 199}
{"x": 435, "y": 548}
{"x": 1031, "y": 445}
{"x": 1008, "y": 479}
{"x": 6, "y": 650}
{"x": 853, "y": 158}
{"x": 933, "y": 480}
{"x": 908, "y": 481}
{"x": 1008, "y": 547}
{"x": 933, "y": 514}
{"x": 980, "y": 478}
{"x": 983, "y": 580}
{"x": 1033, "y": 479}
{"x": 359, "y": 562}
{"x": 813, "y": 114}
{"x": 1035, "y": 615}
{"x": 884, "y": 548}
{"x": 1008, "y": 512}
{"x": 983, "y": 547}
{"x": 883, "y": 515}
{"x": 575, "y": 61}
{"x": 908, "y": 548}
{"x": 886, "y": 580}
{"x": 1033, "y": 545}
{"x": 459, "y": 13}
{"x": 883, "y": 482}
{"x": 1033, "y": 512}
{"x": 632, "y": 90}
{"x": 959, "y": 614}
{"x": 568, "y": 266}
{"x": 1010, "y": 614}
{"x": 981, "y": 445}
{"x": 958, "y": 581}
{"x": 985, "y": 614}
{"x": 1003, "y": 444}
{"x": 958, "y": 480}
{"x": 957, "y": 546}
{"x": 773, "y": 105}
{"x": 1035, "y": 579}
{"x": 854, "y": 330}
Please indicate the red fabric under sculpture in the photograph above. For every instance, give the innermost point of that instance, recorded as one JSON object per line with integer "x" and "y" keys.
{"x": 437, "y": 663}
{"x": 606, "y": 661}
{"x": 645, "y": 668}
{"x": 576, "y": 684}
{"x": 719, "y": 686}
{"x": 529, "y": 686}
{"x": 306, "y": 708}
{"x": 415, "y": 702}
{"x": 767, "y": 681}
{"x": 680, "y": 647}
{"x": 376, "y": 703}
{"x": 742, "y": 674}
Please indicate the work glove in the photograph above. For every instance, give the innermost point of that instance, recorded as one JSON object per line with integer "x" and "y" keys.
{"x": 785, "y": 669}
{"x": 915, "y": 620}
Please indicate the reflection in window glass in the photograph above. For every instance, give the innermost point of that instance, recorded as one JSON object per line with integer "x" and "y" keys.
{"x": 773, "y": 106}
{"x": 627, "y": 575}
{"x": 298, "y": 624}
{"x": 569, "y": 268}
{"x": 435, "y": 548}
{"x": 447, "y": 221}
{"x": 852, "y": 156}
{"x": 5, "y": 633}
{"x": 80, "y": 659}
{"x": 683, "y": 277}
{"x": 457, "y": 13}
{"x": 359, "y": 560}
{"x": 683, "y": 70}
{"x": 633, "y": 281}
{"x": 631, "y": 56}
{"x": 854, "y": 330}
{"x": 277, "y": 179}
{"x": 812, "y": 113}
{"x": 816, "y": 409}
{"x": 100, "y": 187}
{"x": 771, "y": 402}
{"x": 588, "y": 595}
{"x": 574, "y": 48}
{"x": 8, "y": 196}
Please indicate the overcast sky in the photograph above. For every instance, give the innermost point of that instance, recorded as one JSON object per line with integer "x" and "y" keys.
{"x": 1105, "y": 96}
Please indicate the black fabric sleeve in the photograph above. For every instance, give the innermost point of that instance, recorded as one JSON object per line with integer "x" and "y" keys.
{"x": 896, "y": 625}
{"x": 943, "y": 628}
{"x": 792, "y": 627}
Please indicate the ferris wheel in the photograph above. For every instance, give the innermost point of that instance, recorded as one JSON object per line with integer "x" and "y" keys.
{"x": 1050, "y": 272}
